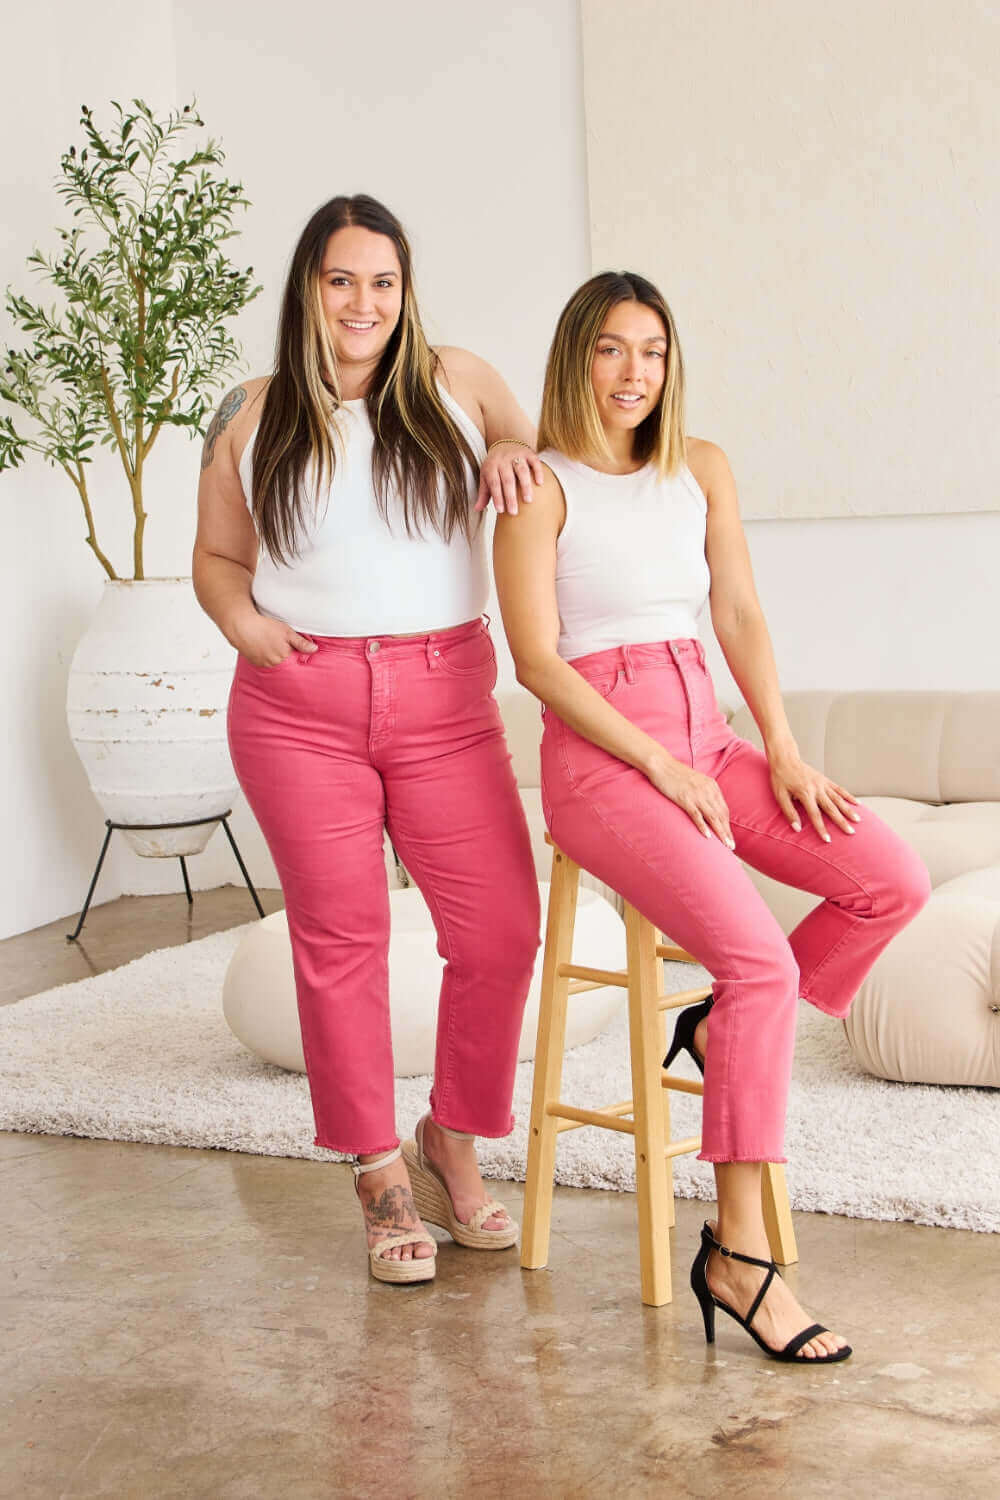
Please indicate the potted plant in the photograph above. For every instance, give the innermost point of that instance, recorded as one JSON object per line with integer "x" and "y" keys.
{"x": 139, "y": 344}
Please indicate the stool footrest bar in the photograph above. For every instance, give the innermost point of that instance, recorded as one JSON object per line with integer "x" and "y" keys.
{"x": 681, "y": 1085}
{"x": 681, "y": 1148}
{"x": 682, "y": 997}
{"x": 596, "y": 976}
{"x": 674, "y": 955}
{"x": 607, "y": 1119}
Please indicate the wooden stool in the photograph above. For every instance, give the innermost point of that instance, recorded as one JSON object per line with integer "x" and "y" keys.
{"x": 649, "y": 1108}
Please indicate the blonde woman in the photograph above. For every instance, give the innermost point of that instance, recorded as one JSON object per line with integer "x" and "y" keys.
{"x": 600, "y": 581}
{"x": 340, "y": 551}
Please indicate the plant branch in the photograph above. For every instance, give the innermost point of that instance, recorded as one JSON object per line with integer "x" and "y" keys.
{"x": 79, "y": 480}
{"x": 116, "y": 426}
{"x": 168, "y": 407}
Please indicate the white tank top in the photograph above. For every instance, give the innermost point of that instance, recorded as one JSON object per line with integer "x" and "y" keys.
{"x": 356, "y": 575}
{"x": 630, "y": 560}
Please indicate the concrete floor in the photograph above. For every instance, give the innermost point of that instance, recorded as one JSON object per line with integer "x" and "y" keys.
{"x": 185, "y": 1323}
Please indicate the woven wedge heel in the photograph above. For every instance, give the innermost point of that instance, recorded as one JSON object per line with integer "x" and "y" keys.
{"x": 400, "y": 1271}
{"x": 434, "y": 1203}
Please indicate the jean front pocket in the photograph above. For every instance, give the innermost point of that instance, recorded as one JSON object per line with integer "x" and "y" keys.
{"x": 275, "y": 666}
{"x": 608, "y": 684}
{"x": 469, "y": 656}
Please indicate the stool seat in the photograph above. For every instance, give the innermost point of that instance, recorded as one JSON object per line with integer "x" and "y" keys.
{"x": 646, "y": 1116}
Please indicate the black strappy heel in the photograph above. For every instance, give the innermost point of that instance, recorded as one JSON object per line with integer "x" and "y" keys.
{"x": 684, "y": 1031}
{"x": 709, "y": 1302}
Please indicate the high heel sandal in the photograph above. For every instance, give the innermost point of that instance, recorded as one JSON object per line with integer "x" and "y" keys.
{"x": 709, "y": 1302}
{"x": 684, "y": 1030}
{"x": 395, "y": 1270}
{"x": 433, "y": 1200}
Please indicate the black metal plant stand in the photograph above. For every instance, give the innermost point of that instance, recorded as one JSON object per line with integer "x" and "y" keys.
{"x": 222, "y": 818}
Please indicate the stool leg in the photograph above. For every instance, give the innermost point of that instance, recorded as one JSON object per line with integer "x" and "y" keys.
{"x": 778, "y": 1214}
{"x": 648, "y": 1110}
{"x": 662, "y": 1045}
{"x": 549, "y": 1048}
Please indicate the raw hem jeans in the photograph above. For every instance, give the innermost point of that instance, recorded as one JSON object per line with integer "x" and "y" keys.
{"x": 331, "y": 749}
{"x": 610, "y": 819}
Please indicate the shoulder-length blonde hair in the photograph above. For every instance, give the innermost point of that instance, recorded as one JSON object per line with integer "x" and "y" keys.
{"x": 420, "y": 454}
{"x": 569, "y": 421}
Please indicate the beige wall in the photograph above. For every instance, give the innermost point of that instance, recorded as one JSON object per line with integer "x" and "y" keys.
{"x": 814, "y": 188}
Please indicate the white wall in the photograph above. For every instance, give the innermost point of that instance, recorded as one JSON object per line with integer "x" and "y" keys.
{"x": 468, "y": 121}
{"x": 465, "y": 118}
{"x": 50, "y": 581}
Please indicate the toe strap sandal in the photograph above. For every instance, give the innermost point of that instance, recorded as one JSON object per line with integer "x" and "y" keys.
{"x": 434, "y": 1201}
{"x": 396, "y": 1270}
{"x": 709, "y": 1302}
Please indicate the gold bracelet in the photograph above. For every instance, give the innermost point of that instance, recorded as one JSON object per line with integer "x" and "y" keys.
{"x": 498, "y": 441}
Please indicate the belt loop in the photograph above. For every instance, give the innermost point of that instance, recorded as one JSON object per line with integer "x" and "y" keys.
{"x": 433, "y": 653}
{"x": 486, "y": 619}
{"x": 627, "y": 664}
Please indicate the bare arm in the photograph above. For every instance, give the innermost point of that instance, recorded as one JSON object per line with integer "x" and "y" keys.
{"x": 742, "y": 633}
{"x": 508, "y": 472}
{"x": 737, "y": 617}
{"x": 225, "y": 548}
{"x": 524, "y": 563}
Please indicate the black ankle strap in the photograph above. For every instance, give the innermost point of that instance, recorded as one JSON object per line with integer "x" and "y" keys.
{"x": 748, "y": 1260}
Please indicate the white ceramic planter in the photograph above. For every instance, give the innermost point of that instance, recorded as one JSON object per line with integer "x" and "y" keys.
{"x": 146, "y": 706}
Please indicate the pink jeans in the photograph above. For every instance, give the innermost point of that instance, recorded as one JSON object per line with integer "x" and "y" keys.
{"x": 610, "y": 819}
{"x": 331, "y": 749}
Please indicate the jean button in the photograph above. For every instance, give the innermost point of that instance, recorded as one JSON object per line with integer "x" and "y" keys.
{"x": 374, "y": 646}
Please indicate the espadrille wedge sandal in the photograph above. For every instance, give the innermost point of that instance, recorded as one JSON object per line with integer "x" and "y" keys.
{"x": 396, "y": 1270}
{"x": 434, "y": 1201}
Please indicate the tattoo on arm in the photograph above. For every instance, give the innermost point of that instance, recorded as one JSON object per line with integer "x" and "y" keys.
{"x": 225, "y": 414}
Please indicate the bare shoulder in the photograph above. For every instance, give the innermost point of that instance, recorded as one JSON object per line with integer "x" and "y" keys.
{"x": 466, "y": 373}
{"x": 235, "y": 418}
{"x": 461, "y": 363}
{"x": 467, "y": 378}
{"x": 709, "y": 465}
{"x": 545, "y": 515}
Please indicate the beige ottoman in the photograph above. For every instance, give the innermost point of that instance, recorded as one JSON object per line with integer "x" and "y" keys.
{"x": 929, "y": 1011}
{"x": 258, "y": 994}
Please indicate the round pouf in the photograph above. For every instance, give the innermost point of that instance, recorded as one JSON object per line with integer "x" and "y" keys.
{"x": 929, "y": 1011}
{"x": 258, "y": 994}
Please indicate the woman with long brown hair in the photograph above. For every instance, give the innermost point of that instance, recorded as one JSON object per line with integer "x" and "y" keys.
{"x": 634, "y": 528}
{"x": 340, "y": 550}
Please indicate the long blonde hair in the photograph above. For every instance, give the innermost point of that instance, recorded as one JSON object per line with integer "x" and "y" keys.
{"x": 420, "y": 454}
{"x": 569, "y": 421}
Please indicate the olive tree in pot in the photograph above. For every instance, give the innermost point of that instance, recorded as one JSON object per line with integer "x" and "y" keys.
{"x": 139, "y": 344}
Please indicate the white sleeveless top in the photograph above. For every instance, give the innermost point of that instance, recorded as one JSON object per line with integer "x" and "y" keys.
{"x": 356, "y": 575}
{"x": 630, "y": 560}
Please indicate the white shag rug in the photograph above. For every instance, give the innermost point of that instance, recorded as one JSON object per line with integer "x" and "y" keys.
{"x": 143, "y": 1053}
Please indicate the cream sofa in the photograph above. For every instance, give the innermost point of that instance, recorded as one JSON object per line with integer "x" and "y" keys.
{"x": 929, "y": 764}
